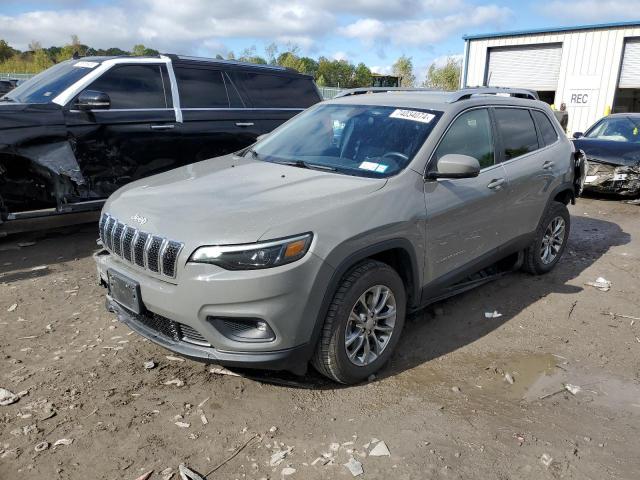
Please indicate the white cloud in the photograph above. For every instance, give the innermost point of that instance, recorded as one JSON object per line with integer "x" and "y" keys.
{"x": 382, "y": 69}
{"x": 340, "y": 56}
{"x": 427, "y": 30}
{"x": 590, "y": 10}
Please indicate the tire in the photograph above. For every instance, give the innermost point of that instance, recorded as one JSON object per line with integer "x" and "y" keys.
{"x": 331, "y": 357}
{"x": 535, "y": 254}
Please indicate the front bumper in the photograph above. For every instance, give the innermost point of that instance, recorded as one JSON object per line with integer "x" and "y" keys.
{"x": 288, "y": 298}
{"x": 616, "y": 179}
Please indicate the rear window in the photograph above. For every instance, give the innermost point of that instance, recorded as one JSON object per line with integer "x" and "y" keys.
{"x": 201, "y": 88}
{"x": 517, "y": 131}
{"x": 274, "y": 91}
{"x": 549, "y": 134}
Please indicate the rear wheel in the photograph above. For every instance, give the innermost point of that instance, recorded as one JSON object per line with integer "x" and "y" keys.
{"x": 547, "y": 247}
{"x": 363, "y": 323}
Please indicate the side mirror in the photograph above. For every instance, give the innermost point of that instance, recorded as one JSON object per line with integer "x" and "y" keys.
{"x": 454, "y": 165}
{"x": 578, "y": 134}
{"x": 93, "y": 100}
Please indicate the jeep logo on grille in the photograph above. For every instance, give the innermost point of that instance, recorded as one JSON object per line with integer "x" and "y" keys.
{"x": 139, "y": 219}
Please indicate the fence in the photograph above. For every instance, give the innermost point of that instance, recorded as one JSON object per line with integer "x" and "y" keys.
{"x": 329, "y": 92}
{"x": 17, "y": 76}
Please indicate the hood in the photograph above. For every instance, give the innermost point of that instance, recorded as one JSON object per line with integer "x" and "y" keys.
{"x": 230, "y": 199}
{"x": 608, "y": 151}
{"x": 17, "y": 115}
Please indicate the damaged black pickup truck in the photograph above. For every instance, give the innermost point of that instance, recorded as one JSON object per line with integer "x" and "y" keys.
{"x": 612, "y": 148}
{"x": 77, "y": 132}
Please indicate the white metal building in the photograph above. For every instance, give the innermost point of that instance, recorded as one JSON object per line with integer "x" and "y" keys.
{"x": 594, "y": 69}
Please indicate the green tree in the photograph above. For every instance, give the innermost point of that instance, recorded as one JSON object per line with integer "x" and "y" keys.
{"x": 6, "y": 51}
{"x": 321, "y": 82}
{"x": 309, "y": 66}
{"x": 141, "y": 51}
{"x": 403, "y": 68}
{"x": 446, "y": 77}
{"x": 271, "y": 51}
{"x": 336, "y": 73}
{"x": 362, "y": 76}
{"x": 249, "y": 55}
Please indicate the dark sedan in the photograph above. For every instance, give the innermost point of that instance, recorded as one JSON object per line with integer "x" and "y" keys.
{"x": 612, "y": 147}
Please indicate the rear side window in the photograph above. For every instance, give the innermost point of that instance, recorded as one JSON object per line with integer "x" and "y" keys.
{"x": 549, "y": 134}
{"x": 201, "y": 88}
{"x": 469, "y": 134}
{"x": 517, "y": 131}
{"x": 133, "y": 86}
{"x": 274, "y": 91}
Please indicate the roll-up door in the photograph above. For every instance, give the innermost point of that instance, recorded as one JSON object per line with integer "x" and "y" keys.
{"x": 534, "y": 67}
{"x": 630, "y": 74}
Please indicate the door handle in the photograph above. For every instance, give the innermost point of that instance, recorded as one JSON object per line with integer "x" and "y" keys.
{"x": 496, "y": 184}
{"x": 162, "y": 127}
{"x": 548, "y": 165}
{"x": 244, "y": 124}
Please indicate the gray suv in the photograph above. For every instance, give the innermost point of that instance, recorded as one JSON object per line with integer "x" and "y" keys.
{"x": 313, "y": 244}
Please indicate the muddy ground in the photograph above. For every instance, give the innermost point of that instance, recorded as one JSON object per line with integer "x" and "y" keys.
{"x": 443, "y": 406}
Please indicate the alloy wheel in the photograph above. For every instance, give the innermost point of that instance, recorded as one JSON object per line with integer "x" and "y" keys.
{"x": 552, "y": 240}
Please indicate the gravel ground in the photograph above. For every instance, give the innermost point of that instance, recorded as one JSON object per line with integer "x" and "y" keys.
{"x": 465, "y": 396}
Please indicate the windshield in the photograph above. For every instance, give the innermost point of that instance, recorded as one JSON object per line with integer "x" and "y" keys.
{"x": 617, "y": 129}
{"x": 46, "y": 86}
{"x": 362, "y": 140}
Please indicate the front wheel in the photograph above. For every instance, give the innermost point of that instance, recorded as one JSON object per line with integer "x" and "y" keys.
{"x": 547, "y": 247}
{"x": 363, "y": 323}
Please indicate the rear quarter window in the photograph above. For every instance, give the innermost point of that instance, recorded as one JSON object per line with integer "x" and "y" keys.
{"x": 201, "y": 88}
{"x": 549, "y": 134}
{"x": 278, "y": 91}
{"x": 517, "y": 131}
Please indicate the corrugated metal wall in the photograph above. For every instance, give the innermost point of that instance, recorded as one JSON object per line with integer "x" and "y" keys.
{"x": 591, "y": 61}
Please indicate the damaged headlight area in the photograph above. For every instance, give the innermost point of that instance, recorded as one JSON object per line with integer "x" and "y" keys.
{"x": 255, "y": 256}
{"x": 608, "y": 178}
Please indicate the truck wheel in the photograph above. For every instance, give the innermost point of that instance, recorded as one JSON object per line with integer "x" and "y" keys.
{"x": 550, "y": 240}
{"x": 363, "y": 323}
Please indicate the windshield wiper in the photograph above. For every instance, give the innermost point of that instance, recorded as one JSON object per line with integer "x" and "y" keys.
{"x": 310, "y": 166}
{"x": 7, "y": 99}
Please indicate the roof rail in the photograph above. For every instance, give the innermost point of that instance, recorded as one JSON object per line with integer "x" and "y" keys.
{"x": 363, "y": 90}
{"x": 467, "y": 93}
{"x": 229, "y": 62}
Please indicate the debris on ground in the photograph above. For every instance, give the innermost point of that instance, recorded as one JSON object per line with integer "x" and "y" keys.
{"x": 187, "y": 474}
{"x": 149, "y": 365}
{"x": 174, "y": 359}
{"x": 509, "y": 378}
{"x": 203, "y": 418}
{"x": 41, "y": 447}
{"x": 63, "y": 441}
{"x": 380, "y": 450}
{"x": 26, "y": 244}
{"x": 288, "y": 471}
{"x": 39, "y": 267}
{"x": 546, "y": 459}
{"x": 223, "y": 371}
{"x": 494, "y": 314}
{"x": 573, "y": 389}
{"x": 183, "y": 424}
{"x": 176, "y": 381}
{"x": 601, "y": 284}
{"x": 145, "y": 476}
{"x": 354, "y": 466}
{"x": 278, "y": 457}
{"x": 12, "y": 307}
{"x": 273, "y": 429}
{"x": 167, "y": 473}
{"x": 7, "y": 397}
{"x": 455, "y": 389}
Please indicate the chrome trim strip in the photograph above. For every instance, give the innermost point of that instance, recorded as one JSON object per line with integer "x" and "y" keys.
{"x": 136, "y": 232}
{"x": 145, "y": 251}
{"x": 124, "y": 234}
{"x": 175, "y": 94}
{"x": 161, "y": 251}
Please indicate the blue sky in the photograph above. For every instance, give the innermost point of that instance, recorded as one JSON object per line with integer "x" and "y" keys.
{"x": 375, "y": 32}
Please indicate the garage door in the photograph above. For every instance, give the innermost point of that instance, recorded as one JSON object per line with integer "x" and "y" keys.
{"x": 535, "y": 67}
{"x": 630, "y": 74}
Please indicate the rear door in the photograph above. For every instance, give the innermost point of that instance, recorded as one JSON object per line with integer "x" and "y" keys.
{"x": 134, "y": 138}
{"x": 215, "y": 118}
{"x": 464, "y": 221}
{"x": 274, "y": 96}
{"x": 529, "y": 152}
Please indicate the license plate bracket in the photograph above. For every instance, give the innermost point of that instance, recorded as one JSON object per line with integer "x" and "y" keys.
{"x": 125, "y": 291}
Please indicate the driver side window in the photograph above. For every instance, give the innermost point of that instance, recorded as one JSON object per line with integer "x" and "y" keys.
{"x": 470, "y": 134}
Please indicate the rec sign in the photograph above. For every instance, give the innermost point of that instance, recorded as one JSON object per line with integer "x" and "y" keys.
{"x": 582, "y": 98}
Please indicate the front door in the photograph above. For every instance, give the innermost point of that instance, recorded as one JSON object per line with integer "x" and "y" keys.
{"x": 134, "y": 138}
{"x": 464, "y": 221}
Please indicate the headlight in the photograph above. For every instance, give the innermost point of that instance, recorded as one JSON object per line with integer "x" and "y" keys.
{"x": 254, "y": 256}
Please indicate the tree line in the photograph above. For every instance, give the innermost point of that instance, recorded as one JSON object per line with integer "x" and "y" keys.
{"x": 326, "y": 71}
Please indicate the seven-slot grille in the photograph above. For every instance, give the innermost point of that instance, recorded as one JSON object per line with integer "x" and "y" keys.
{"x": 156, "y": 254}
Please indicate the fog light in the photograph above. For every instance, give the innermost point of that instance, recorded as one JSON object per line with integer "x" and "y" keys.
{"x": 243, "y": 329}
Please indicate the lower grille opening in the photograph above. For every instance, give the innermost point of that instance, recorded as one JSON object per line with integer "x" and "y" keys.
{"x": 173, "y": 330}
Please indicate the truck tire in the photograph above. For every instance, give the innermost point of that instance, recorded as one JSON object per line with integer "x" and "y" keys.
{"x": 550, "y": 240}
{"x": 363, "y": 323}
